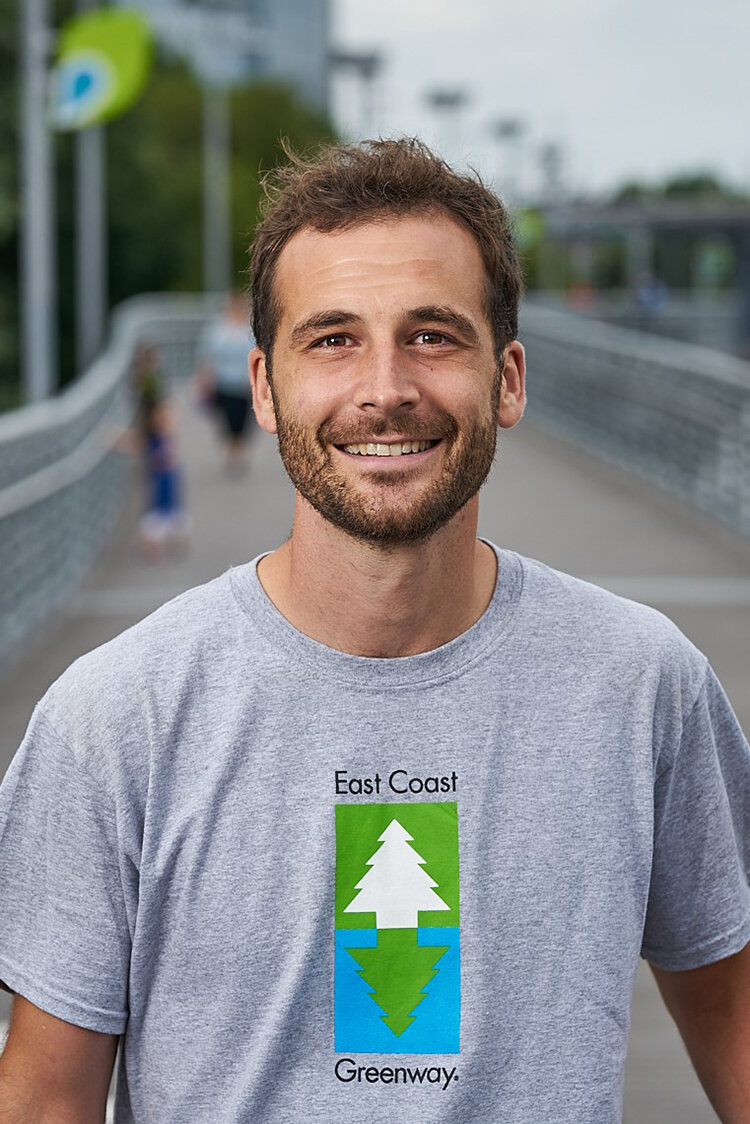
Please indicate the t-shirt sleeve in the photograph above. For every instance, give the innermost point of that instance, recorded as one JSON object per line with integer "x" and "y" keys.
{"x": 699, "y": 899}
{"x": 64, "y": 935}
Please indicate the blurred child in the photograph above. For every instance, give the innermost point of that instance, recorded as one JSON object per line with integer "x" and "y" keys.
{"x": 165, "y": 523}
{"x": 147, "y": 381}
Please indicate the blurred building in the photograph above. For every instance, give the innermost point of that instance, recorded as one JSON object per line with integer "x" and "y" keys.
{"x": 235, "y": 40}
{"x": 684, "y": 265}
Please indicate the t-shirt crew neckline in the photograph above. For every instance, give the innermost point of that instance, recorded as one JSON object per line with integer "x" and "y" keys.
{"x": 370, "y": 671}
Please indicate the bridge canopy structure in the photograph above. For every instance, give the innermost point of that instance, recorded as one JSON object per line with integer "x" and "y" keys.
{"x": 581, "y": 226}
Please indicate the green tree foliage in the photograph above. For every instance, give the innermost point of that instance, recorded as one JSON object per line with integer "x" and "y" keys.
{"x": 154, "y": 188}
{"x": 697, "y": 185}
{"x": 691, "y": 186}
{"x": 9, "y": 203}
{"x": 155, "y": 176}
{"x": 262, "y": 114}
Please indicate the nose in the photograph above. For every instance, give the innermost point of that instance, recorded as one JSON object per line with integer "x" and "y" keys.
{"x": 386, "y": 384}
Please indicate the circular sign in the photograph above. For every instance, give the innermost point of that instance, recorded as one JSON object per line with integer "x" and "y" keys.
{"x": 83, "y": 87}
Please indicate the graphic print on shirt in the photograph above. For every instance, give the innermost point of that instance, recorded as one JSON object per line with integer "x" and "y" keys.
{"x": 397, "y": 956}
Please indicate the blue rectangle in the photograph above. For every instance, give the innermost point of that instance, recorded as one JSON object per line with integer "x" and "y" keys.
{"x": 359, "y": 1020}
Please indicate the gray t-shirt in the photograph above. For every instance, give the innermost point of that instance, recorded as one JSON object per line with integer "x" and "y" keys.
{"x": 224, "y": 348}
{"x": 306, "y": 885}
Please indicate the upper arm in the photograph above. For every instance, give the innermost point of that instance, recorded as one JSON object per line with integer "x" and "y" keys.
{"x": 716, "y": 988}
{"x": 51, "y": 1063}
{"x": 711, "y": 1006}
{"x": 699, "y": 892}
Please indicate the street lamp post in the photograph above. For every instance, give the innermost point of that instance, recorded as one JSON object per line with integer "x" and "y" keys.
{"x": 508, "y": 133}
{"x": 38, "y": 256}
{"x": 551, "y": 166}
{"x": 217, "y": 223}
{"x": 366, "y": 65}
{"x": 447, "y": 105}
{"x": 91, "y": 237}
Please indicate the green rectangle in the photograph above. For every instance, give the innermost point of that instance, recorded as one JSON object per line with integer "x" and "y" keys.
{"x": 428, "y": 842}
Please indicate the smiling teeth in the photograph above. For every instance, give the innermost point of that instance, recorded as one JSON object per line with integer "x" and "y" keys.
{"x": 395, "y": 450}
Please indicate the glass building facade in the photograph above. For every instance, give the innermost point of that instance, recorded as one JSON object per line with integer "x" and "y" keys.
{"x": 231, "y": 40}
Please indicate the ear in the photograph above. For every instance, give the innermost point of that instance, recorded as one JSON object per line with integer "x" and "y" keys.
{"x": 513, "y": 391}
{"x": 262, "y": 398}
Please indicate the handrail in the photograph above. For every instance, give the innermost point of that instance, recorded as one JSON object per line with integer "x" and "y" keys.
{"x": 676, "y": 414}
{"x": 673, "y": 413}
{"x": 62, "y": 474}
{"x": 579, "y": 330}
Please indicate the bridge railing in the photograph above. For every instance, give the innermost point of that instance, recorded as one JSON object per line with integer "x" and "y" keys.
{"x": 62, "y": 469}
{"x": 709, "y": 319}
{"x": 675, "y": 414}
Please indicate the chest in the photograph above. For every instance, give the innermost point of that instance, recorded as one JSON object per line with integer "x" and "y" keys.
{"x": 552, "y": 807}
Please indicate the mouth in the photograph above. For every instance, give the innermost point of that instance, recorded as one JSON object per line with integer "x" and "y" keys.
{"x": 388, "y": 449}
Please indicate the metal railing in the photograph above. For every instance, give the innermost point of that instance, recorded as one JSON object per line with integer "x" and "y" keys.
{"x": 675, "y": 414}
{"x": 709, "y": 319}
{"x": 62, "y": 471}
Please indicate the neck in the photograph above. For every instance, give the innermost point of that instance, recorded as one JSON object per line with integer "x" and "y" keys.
{"x": 370, "y": 601}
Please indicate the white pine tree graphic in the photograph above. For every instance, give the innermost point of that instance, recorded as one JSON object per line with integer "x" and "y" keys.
{"x": 395, "y": 887}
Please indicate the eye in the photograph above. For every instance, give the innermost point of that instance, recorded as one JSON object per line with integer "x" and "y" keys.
{"x": 431, "y": 338}
{"x": 332, "y": 342}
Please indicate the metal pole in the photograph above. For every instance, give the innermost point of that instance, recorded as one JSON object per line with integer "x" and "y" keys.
{"x": 447, "y": 105}
{"x": 38, "y": 229}
{"x": 368, "y": 103}
{"x": 217, "y": 243}
{"x": 639, "y": 250}
{"x": 91, "y": 238}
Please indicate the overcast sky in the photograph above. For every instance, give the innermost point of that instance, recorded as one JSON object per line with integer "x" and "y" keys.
{"x": 628, "y": 88}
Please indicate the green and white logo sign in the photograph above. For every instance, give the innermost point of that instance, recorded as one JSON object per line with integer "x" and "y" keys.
{"x": 397, "y": 957}
{"x": 103, "y": 61}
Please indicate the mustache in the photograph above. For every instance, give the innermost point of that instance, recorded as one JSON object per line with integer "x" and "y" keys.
{"x": 441, "y": 425}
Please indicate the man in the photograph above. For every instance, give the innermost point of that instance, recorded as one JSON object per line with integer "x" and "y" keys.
{"x": 379, "y": 824}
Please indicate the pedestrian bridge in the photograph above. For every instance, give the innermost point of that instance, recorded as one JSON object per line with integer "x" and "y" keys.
{"x": 631, "y": 469}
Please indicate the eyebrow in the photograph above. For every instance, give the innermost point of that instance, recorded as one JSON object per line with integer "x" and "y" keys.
{"x": 321, "y": 322}
{"x": 440, "y": 314}
{"x": 338, "y": 318}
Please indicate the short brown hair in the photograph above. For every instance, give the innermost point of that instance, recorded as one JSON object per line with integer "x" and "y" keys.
{"x": 343, "y": 186}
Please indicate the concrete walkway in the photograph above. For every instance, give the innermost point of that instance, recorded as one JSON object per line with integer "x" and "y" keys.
{"x": 544, "y": 500}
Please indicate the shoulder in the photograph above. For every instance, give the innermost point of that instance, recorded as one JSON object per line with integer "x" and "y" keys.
{"x": 601, "y": 630}
{"x": 176, "y": 629}
{"x": 114, "y": 696}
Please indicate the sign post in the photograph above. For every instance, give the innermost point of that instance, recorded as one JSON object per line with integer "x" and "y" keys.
{"x": 104, "y": 56}
{"x": 91, "y": 238}
{"x": 38, "y": 248}
{"x": 217, "y": 224}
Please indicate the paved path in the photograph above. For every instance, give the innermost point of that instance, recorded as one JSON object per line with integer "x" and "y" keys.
{"x": 544, "y": 500}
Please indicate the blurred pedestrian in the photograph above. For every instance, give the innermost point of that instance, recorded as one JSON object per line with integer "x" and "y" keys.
{"x": 147, "y": 380}
{"x": 165, "y": 524}
{"x": 222, "y": 378}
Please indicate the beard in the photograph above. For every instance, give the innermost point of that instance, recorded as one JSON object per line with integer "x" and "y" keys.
{"x": 377, "y": 510}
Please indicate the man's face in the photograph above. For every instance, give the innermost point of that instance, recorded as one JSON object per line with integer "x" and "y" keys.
{"x": 385, "y": 391}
